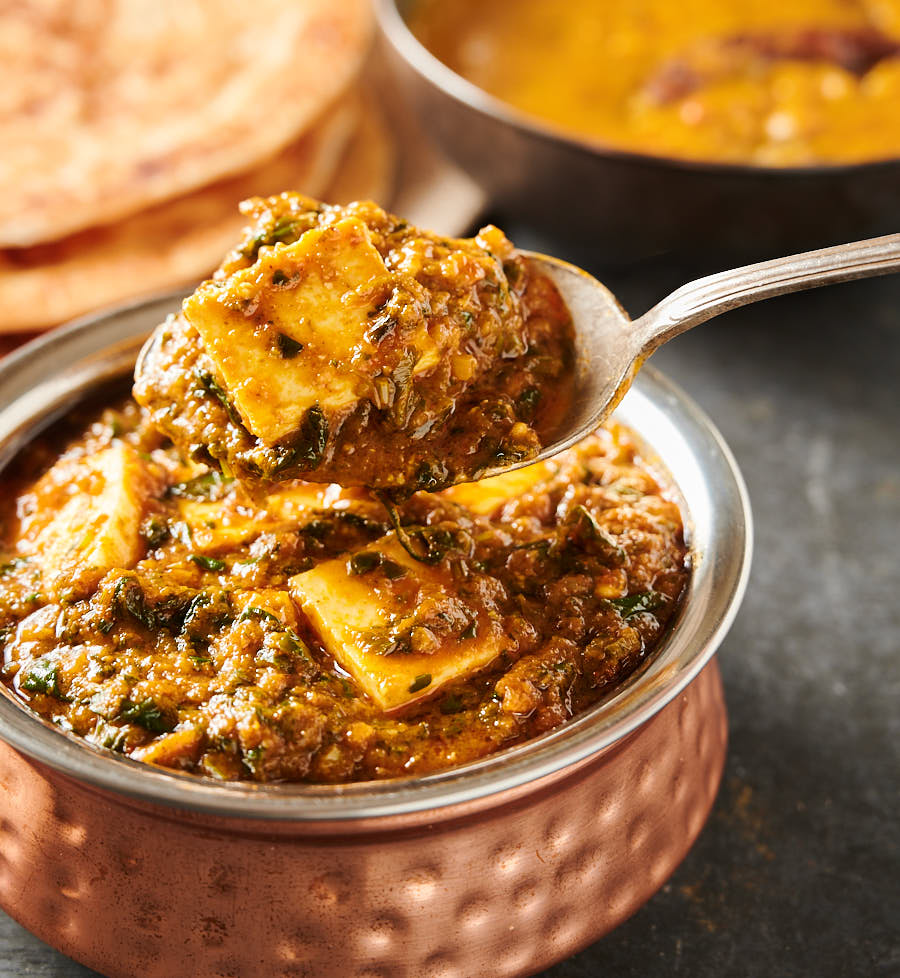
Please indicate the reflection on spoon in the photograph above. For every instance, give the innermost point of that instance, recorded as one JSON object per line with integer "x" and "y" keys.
{"x": 610, "y": 347}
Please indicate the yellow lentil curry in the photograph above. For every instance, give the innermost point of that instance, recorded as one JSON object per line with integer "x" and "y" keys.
{"x": 283, "y": 630}
{"x": 756, "y": 81}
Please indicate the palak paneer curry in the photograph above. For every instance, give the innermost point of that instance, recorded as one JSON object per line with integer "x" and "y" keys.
{"x": 151, "y": 606}
{"x": 171, "y": 591}
{"x": 340, "y": 344}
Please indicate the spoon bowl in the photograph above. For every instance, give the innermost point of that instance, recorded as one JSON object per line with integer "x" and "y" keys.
{"x": 610, "y": 347}
{"x": 607, "y": 354}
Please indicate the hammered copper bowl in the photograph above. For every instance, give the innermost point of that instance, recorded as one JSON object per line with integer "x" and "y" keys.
{"x": 496, "y": 868}
{"x": 625, "y": 204}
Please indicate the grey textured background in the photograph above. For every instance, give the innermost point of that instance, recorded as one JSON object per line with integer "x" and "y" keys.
{"x": 798, "y": 871}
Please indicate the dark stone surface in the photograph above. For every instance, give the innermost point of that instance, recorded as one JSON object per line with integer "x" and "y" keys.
{"x": 798, "y": 871}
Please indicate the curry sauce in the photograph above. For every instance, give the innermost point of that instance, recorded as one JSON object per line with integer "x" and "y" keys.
{"x": 153, "y": 607}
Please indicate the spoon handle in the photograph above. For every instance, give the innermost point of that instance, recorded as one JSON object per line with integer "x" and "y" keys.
{"x": 704, "y": 298}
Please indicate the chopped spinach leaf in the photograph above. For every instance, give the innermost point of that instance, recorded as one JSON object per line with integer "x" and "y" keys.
{"x": 452, "y": 703}
{"x": 403, "y": 404}
{"x": 252, "y": 757}
{"x": 364, "y": 562}
{"x": 42, "y": 677}
{"x": 631, "y": 604}
{"x": 281, "y": 655}
{"x": 207, "y": 563}
{"x": 591, "y": 537}
{"x": 307, "y": 448}
{"x": 210, "y": 385}
{"x": 427, "y": 544}
{"x": 284, "y": 229}
{"x": 147, "y": 714}
{"x": 288, "y": 347}
{"x": 169, "y": 612}
{"x": 431, "y": 476}
{"x": 154, "y": 532}
{"x": 128, "y": 596}
{"x": 260, "y": 613}
{"x": 528, "y": 401}
{"x": 380, "y": 328}
{"x": 392, "y": 570}
{"x": 200, "y": 487}
{"x": 420, "y": 682}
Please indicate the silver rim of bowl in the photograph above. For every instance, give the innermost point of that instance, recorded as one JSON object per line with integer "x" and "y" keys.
{"x": 44, "y": 378}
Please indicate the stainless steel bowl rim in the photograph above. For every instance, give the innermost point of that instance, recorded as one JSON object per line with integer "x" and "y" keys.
{"x": 39, "y": 381}
{"x": 394, "y": 27}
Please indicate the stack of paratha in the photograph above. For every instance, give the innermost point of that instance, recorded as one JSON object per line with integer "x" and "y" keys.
{"x": 131, "y": 129}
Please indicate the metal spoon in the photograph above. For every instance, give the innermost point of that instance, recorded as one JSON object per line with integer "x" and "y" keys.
{"x": 610, "y": 347}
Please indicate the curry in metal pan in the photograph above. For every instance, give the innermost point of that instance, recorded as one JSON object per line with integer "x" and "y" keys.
{"x": 809, "y": 82}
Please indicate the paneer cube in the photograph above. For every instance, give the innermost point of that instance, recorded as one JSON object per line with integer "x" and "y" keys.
{"x": 215, "y": 528}
{"x": 296, "y": 500}
{"x": 398, "y": 626}
{"x": 487, "y": 495}
{"x": 84, "y": 518}
{"x": 289, "y": 332}
{"x": 218, "y": 526}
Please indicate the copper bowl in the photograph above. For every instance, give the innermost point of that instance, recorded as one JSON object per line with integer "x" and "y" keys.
{"x": 630, "y": 204}
{"x": 495, "y": 868}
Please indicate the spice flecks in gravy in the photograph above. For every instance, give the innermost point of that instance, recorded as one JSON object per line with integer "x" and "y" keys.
{"x": 340, "y": 344}
{"x": 151, "y": 606}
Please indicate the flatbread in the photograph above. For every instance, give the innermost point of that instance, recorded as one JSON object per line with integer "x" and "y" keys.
{"x": 168, "y": 245}
{"x": 109, "y": 106}
{"x": 367, "y": 169}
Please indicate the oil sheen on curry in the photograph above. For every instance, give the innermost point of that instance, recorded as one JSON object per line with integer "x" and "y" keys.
{"x": 761, "y": 82}
{"x": 171, "y": 590}
{"x": 153, "y": 607}
{"x": 340, "y": 344}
